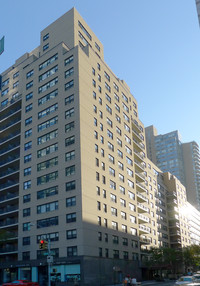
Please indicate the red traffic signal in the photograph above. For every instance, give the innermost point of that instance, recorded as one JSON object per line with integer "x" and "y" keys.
{"x": 42, "y": 244}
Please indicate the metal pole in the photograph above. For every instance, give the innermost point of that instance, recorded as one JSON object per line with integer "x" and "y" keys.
{"x": 49, "y": 264}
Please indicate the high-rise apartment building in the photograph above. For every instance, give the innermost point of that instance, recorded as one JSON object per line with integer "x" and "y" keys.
{"x": 198, "y": 9}
{"x": 191, "y": 157}
{"x": 166, "y": 151}
{"x": 73, "y": 165}
{"x": 180, "y": 159}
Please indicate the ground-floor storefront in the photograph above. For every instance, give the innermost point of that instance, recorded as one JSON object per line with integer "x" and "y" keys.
{"x": 81, "y": 271}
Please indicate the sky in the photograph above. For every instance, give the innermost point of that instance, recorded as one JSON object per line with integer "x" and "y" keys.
{"x": 153, "y": 45}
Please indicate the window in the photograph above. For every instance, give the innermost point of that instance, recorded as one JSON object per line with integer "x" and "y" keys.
{"x": 29, "y": 107}
{"x": 26, "y": 198}
{"x": 70, "y": 170}
{"x": 47, "y": 178}
{"x": 120, "y": 154}
{"x": 118, "y": 130}
{"x": 47, "y": 164}
{"x": 28, "y": 145}
{"x": 122, "y": 202}
{"x": 48, "y": 73}
{"x": 48, "y": 62}
{"x": 49, "y": 207}
{"x": 29, "y": 96}
{"x": 126, "y": 127}
{"x": 125, "y": 107}
{"x": 48, "y": 97}
{"x": 114, "y": 225}
{"x": 123, "y": 215}
{"x": 112, "y": 185}
{"x": 47, "y": 150}
{"x": 48, "y": 136}
{"x": 69, "y": 113}
{"x": 48, "y": 123}
{"x": 108, "y": 98}
{"x": 29, "y": 74}
{"x": 119, "y": 142}
{"x": 69, "y": 72}
{"x": 69, "y": 141}
{"x": 26, "y": 240}
{"x": 53, "y": 236}
{"x": 111, "y": 158}
{"x": 47, "y": 85}
{"x": 26, "y": 212}
{"x": 47, "y": 222}
{"x": 15, "y": 75}
{"x": 4, "y": 103}
{"x": 69, "y": 60}
{"x": 70, "y": 186}
{"x": 45, "y": 47}
{"x": 117, "y": 107}
{"x": 70, "y": 156}
{"x": 27, "y": 158}
{"x": 69, "y": 99}
{"x": 115, "y": 86}
{"x": 29, "y": 84}
{"x": 109, "y": 109}
{"x": 26, "y": 226}
{"x": 113, "y": 211}
{"x": 107, "y": 87}
{"x": 110, "y": 134}
{"x": 69, "y": 126}
{"x": 52, "y": 191}
{"x": 69, "y": 84}
{"x": 118, "y": 118}
{"x": 129, "y": 161}
{"x": 5, "y": 82}
{"x": 126, "y": 117}
{"x": 15, "y": 84}
{"x": 72, "y": 251}
{"x": 116, "y": 96}
{"x": 27, "y": 171}
{"x": 124, "y": 97}
{"x": 106, "y": 76}
{"x": 45, "y": 37}
{"x": 28, "y": 133}
{"x": 111, "y": 171}
{"x": 71, "y": 202}
{"x": 110, "y": 146}
{"x": 28, "y": 121}
{"x": 109, "y": 122}
{"x": 48, "y": 110}
{"x": 120, "y": 165}
{"x": 71, "y": 234}
{"x": 122, "y": 190}
{"x": 71, "y": 217}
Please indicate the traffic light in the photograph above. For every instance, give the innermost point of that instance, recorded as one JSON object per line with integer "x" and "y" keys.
{"x": 42, "y": 244}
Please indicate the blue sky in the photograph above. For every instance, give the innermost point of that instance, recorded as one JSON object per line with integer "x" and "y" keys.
{"x": 154, "y": 45}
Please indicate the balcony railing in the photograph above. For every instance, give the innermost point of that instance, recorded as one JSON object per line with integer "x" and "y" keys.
{"x": 9, "y": 124}
{"x": 8, "y": 249}
{"x": 9, "y": 147}
{"x": 8, "y": 197}
{"x": 8, "y": 209}
{"x": 9, "y": 159}
{"x": 144, "y": 218}
{"x": 9, "y": 136}
{"x": 144, "y": 228}
{"x": 9, "y": 172}
{"x": 13, "y": 100}
{"x": 8, "y": 222}
{"x": 8, "y": 184}
{"x": 143, "y": 207}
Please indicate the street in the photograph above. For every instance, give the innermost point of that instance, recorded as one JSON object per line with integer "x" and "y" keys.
{"x": 152, "y": 283}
